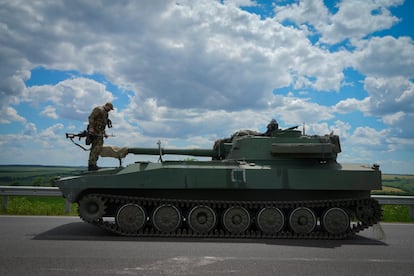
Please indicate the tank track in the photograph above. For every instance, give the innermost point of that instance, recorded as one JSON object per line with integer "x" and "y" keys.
{"x": 370, "y": 216}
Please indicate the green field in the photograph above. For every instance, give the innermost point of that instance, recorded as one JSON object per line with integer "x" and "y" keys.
{"x": 403, "y": 184}
{"x": 22, "y": 175}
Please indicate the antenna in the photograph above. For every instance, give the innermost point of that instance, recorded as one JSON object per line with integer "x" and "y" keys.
{"x": 160, "y": 150}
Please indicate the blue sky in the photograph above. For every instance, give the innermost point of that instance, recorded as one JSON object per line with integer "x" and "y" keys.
{"x": 190, "y": 72}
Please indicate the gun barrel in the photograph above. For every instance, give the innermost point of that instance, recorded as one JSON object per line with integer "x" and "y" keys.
{"x": 162, "y": 151}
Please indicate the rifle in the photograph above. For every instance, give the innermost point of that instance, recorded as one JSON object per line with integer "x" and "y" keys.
{"x": 80, "y": 135}
{"x": 84, "y": 134}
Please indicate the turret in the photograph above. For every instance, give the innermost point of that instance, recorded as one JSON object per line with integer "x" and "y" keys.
{"x": 251, "y": 146}
{"x": 278, "y": 144}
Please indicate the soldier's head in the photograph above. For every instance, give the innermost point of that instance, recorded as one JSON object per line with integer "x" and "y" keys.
{"x": 109, "y": 107}
{"x": 273, "y": 125}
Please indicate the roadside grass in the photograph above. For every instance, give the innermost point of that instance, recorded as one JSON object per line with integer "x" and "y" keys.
{"x": 42, "y": 206}
{"x": 396, "y": 213}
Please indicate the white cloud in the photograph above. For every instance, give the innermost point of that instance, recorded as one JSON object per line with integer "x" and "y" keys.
{"x": 390, "y": 95}
{"x": 351, "y": 104}
{"x": 50, "y": 111}
{"x": 340, "y": 128}
{"x": 9, "y": 114}
{"x": 393, "y": 118}
{"x": 395, "y": 144}
{"x": 30, "y": 129}
{"x": 385, "y": 57}
{"x": 71, "y": 98}
{"x": 358, "y": 18}
{"x": 52, "y": 131}
{"x": 353, "y": 20}
{"x": 205, "y": 55}
{"x": 367, "y": 136}
{"x": 241, "y": 3}
{"x": 293, "y": 110}
{"x": 364, "y": 145}
{"x": 200, "y": 70}
{"x": 307, "y": 11}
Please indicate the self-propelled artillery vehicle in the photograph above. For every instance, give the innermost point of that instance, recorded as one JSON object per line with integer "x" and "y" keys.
{"x": 281, "y": 184}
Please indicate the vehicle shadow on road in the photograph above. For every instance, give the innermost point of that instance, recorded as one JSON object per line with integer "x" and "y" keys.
{"x": 82, "y": 231}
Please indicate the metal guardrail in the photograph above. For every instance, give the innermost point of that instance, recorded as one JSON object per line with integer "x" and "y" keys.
{"x": 30, "y": 191}
{"x": 7, "y": 191}
{"x": 396, "y": 200}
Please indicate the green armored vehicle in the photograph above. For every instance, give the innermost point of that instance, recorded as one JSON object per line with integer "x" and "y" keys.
{"x": 279, "y": 184}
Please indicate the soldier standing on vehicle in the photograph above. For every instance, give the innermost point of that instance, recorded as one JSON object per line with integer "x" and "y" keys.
{"x": 98, "y": 120}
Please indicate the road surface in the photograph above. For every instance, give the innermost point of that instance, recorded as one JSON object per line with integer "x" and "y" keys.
{"x": 32, "y": 245}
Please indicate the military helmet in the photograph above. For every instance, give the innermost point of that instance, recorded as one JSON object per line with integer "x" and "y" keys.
{"x": 110, "y": 105}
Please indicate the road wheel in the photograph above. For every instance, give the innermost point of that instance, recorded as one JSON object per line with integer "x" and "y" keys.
{"x": 202, "y": 219}
{"x": 335, "y": 221}
{"x": 166, "y": 218}
{"x": 236, "y": 219}
{"x": 91, "y": 208}
{"x": 270, "y": 220}
{"x": 302, "y": 220}
{"x": 131, "y": 217}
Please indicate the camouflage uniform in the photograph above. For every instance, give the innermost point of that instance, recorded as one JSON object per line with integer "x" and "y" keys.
{"x": 98, "y": 119}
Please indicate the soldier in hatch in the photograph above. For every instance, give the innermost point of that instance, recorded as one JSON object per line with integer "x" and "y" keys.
{"x": 98, "y": 120}
{"x": 273, "y": 125}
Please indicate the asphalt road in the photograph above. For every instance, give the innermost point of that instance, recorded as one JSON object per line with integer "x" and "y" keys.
{"x": 67, "y": 246}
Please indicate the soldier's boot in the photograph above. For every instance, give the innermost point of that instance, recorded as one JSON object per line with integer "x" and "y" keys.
{"x": 93, "y": 168}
